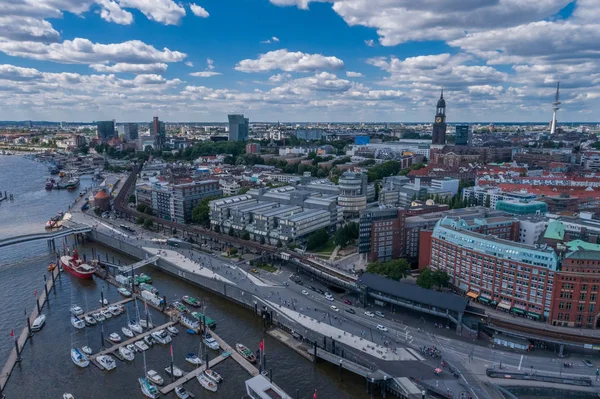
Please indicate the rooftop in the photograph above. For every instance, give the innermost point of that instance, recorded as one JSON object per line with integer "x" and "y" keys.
{"x": 584, "y": 254}
{"x": 413, "y": 292}
{"x": 555, "y": 230}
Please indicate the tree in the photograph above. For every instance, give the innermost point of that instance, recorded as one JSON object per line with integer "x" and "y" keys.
{"x": 487, "y": 201}
{"x": 231, "y": 232}
{"x": 279, "y": 244}
{"x": 396, "y": 269}
{"x": 141, "y": 208}
{"x": 243, "y": 190}
{"x": 233, "y": 251}
{"x": 201, "y": 212}
{"x": 148, "y": 224}
{"x": 140, "y": 220}
{"x": 262, "y": 240}
{"x": 317, "y": 239}
{"x": 441, "y": 278}
{"x": 132, "y": 199}
{"x": 425, "y": 278}
{"x": 346, "y": 234}
{"x": 217, "y": 228}
{"x": 245, "y": 235}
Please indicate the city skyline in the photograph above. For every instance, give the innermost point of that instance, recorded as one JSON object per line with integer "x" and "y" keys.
{"x": 317, "y": 61}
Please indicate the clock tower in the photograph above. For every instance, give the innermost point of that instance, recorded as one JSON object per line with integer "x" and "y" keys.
{"x": 439, "y": 127}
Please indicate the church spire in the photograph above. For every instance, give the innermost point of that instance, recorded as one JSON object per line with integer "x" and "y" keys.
{"x": 442, "y": 94}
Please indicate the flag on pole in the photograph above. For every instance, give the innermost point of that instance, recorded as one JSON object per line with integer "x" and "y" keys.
{"x": 35, "y": 293}
{"x": 262, "y": 345}
{"x": 171, "y": 350}
{"x": 315, "y": 394}
{"x": 12, "y": 333}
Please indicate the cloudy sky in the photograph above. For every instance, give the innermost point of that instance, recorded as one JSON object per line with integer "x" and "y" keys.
{"x": 298, "y": 60}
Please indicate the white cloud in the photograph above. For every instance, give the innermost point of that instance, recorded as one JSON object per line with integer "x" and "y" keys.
{"x": 351, "y": 74}
{"x": 275, "y": 39}
{"x": 189, "y": 64}
{"x": 280, "y": 78}
{"x": 289, "y": 62}
{"x": 205, "y": 74}
{"x": 370, "y": 43}
{"x": 166, "y": 12}
{"x": 83, "y": 51}
{"x": 268, "y": 41}
{"x": 111, "y": 12}
{"x": 210, "y": 64}
{"x": 199, "y": 11}
{"x": 19, "y": 74}
{"x": 131, "y": 68}
{"x": 22, "y": 28}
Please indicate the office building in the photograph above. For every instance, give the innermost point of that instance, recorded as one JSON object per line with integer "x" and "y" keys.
{"x": 158, "y": 132}
{"x": 176, "y": 201}
{"x": 381, "y": 235}
{"x": 238, "y": 127}
{"x": 462, "y": 135}
{"x": 353, "y": 193}
{"x": 446, "y": 184}
{"x": 130, "y": 130}
{"x": 517, "y": 277}
{"x": 522, "y": 207}
{"x": 106, "y": 131}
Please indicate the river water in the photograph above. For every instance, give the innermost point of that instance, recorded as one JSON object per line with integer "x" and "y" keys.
{"x": 47, "y": 371}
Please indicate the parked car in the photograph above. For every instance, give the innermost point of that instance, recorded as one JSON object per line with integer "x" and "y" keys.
{"x": 370, "y": 314}
{"x": 378, "y": 313}
{"x": 320, "y": 291}
{"x": 329, "y": 298}
{"x": 588, "y": 363}
{"x": 347, "y": 302}
{"x": 381, "y": 328}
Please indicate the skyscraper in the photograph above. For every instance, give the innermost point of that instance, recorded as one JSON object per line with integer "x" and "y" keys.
{"x": 555, "y": 108}
{"x": 463, "y": 135}
{"x": 158, "y": 131}
{"x": 131, "y": 131}
{"x": 106, "y": 130}
{"x": 439, "y": 127}
{"x": 238, "y": 127}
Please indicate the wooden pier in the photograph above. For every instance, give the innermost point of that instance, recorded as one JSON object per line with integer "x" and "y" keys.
{"x": 246, "y": 365}
{"x": 191, "y": 375}
{"x": 116, "y": 347}
{"x": 21, "y": 339}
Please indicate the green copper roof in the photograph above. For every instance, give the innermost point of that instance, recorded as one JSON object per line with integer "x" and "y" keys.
{"x": 555, "y": 230}
{"x": 578, "y": 244}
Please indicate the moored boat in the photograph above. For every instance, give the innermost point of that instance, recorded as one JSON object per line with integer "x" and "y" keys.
{"x": 179, "y": 306}
{"x": 245, "y": 352}
{"x": 68, "y": 396}
{"x": 98, "y": 316}
{"x": 209, "y": 322}
{"x": 211, "y": 342}
{"x": 103, "y": 301}
{"x": 76, "y": 310}
{"x": 172, "y": 330}
{"x": 86, "y": 349}
{"x": 79, "y": 358}
{"x": 213, "y": 375}
{"x": 89, "y": 320}
{"x": 189, "y": 321}
{"x": 77, "y": 322}
{"x": 148, "y": 287}
{"x": 124, "y": 291}
{"x": 206, "y": 383}
{"x": 190, "y": 300}
{"x": 155, "y": 377}
{"x": 106, "y": 313}
{"x": 192, "y": 358}
{"x": 38, "y": 323}
{"x": 161, "y": 336}
{"x": 107, "y": 362}
{"x": 141, "y": 345}
{"x": 126, "y": 353}
{"x": 182, "y": 393}
{"x": 114, "y": 337}
{"x": 175, "y": 371}
{"x": 127, "y": 332}
{"x": 135, "y": 327}
{"x": 149, "y": 390}
{"x": 76, "y": 266}
{"x": 148, "y": 340}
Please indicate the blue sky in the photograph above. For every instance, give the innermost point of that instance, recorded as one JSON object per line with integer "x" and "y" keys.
{"x": 298, "y": 60}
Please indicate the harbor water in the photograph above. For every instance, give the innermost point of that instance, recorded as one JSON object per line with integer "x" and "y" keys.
{"x": 46, "y": 370}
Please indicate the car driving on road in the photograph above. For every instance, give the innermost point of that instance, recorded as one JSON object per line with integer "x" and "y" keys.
{"x": 350, "y": 310}
{"x": 370, "y": 314}
{"x": 334, "y": 308}
{"x": 381, "y": 328}
{"x": 378, "y": 313}
{"x": 304, "y": 292}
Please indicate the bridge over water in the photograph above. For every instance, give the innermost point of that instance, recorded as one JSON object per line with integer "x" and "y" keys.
{"x": 52, "y": 235}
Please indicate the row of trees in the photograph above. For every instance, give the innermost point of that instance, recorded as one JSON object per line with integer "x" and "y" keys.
{"x": 430, "y": 278}
{"x": 346, "y": 235}
{"x": 396, "y": 269}
{"x": 317, "y": 239}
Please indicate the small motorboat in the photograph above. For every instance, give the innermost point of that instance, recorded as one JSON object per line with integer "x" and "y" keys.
{"x": 245, "y": 352}
{"x": 149, "y": 390}
{"x": 114, "y": 337}
{"x": 114, "y": 310}
{"x": 172, "y": 330}
{"x": 38, "y": 323}
{"x": 182, "y": 393}
{"x": 68, "y": 396}
{"x": 127, "y": 332}
{"x": 107, "y": 362}
{"x": 126, "y": 353}
{"x": 141, "y": 345}
{"x": 192, "y": 358}
{"x": 161, "y": 337}
{"x": 180, "y": 307}
{"x": 154, "y": 377}
{"x": 98, "y": 316}
{"x": 190, "y": 300}
{"x": 76, "y": 310}
{"x": 206, "y": 383}
{"x": 77, "y": 322}
{"x": 133, "y": 348}
{"x": 213, "y": 375}
{"x": 125, "y": 292}
{"x": 176, "y": 372}
{"x": 103, "y": 302}
{"x": 79, "y": 358}
{"x": 86, "y": 349}
{"x": 89, "y": 320}
{"x": 135, "y": 327}
{"x": 148, "y": 340}
{"x": 106, "y": 313}
{"x": 211, "y": 342}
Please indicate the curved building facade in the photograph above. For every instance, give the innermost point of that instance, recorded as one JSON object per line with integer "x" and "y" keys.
{"x": 353, "y": 193}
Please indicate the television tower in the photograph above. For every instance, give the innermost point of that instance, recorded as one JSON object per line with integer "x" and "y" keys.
{"x": 555, "y": 107}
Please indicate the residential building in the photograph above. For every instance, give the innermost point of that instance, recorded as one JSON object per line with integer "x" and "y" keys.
{"x": 252, "y": 148}
{"x": 176, "y": 201}
{"x": 238, "y": 127}
{"x": 522, "y": 207}
{"x": 106, "y": 131}
{"x": 483, "y": 196}
{"x": 229, "y": 186}
{"x": 517, "y": 277}
{"x": 446, "y": 184}
{"x": 575, "y": 295}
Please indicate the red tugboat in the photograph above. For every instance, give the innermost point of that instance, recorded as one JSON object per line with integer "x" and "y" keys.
{"x": 76, "y": 267}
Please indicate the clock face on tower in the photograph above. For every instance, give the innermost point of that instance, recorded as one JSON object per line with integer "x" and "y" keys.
{"x": 438, "y": 119}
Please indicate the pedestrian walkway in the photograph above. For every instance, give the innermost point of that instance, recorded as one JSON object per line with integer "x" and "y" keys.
{"x": 356, "y": 342}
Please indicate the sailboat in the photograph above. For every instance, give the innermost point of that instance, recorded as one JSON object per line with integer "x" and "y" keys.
{"x": 134, "y": 325}
{"x": 148, "y": 389}
{"x": 147, "y": 323}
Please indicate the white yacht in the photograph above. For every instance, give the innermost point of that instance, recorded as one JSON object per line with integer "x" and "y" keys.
{"x": 211, "y": 342}
{"x": 38, "y": 323}
{"x": 77, "y": 322}
{"x": 76, "y": 310}
{"x": 149, "y": 390}
{"x": 103, "y": 302}
{"x": 161, "y": 336}
{"x": 127, "y": 332}
{"x": 126, "y": 353}
{"x": 79, "y": 358}
{"x": 135, "y": 327}
{"x": 172, "y": 330}
{"x": 192, "y": 358}
{"x": 114, "y": 337}
{"x": 154, "y": 377}
{"x": 182, "y": 393}
{"x": 98, "y": 316}
{"x": 89, "y": 320}
{"x": 141, "y": 345}
{"x": 176, "y": 372}
{"x": 86, "y": 349}
{"x": 207, "y": 383}
{"x": 107, "y": 362}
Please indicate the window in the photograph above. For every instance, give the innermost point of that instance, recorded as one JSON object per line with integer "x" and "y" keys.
{"x": 582, "y": 296}
{"x": 561, "y": 305}
{"x": 580, "y": 307}
{"x": 568, "y": 305}
{"x": 592, "y": 306}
